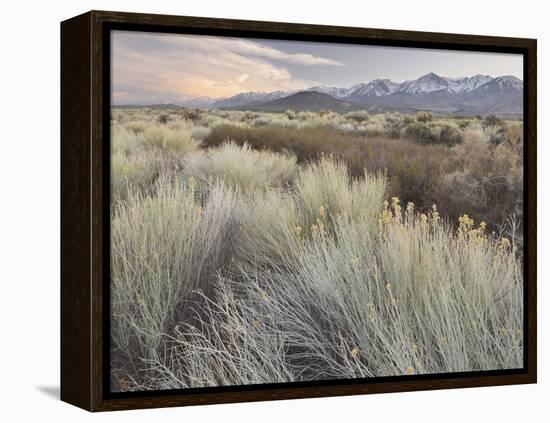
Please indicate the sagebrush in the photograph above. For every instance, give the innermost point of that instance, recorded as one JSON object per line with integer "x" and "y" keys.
{"x": 258, "y": 248}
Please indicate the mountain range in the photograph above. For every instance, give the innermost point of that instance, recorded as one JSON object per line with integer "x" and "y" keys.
{"x": 478, "y": 94}
{"x": 302, "y": 101}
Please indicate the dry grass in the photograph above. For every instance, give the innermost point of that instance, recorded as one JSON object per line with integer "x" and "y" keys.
{"x": 471, "y": 177}
{"x": 276, "y": 258}
{"x": 239, "y": 166}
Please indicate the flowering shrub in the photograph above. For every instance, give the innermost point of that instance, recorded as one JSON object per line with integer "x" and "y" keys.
{"x": 289, "y": 254}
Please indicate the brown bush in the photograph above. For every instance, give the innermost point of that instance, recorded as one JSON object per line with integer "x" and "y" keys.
{"x": 191, "y": 114}
{"x": 475, "y": 177}
{"x": 485, "y": 181}
{"x": 430, "y": 133}
{"x": 492, "y": 120}
{"x": 413, "y": 170}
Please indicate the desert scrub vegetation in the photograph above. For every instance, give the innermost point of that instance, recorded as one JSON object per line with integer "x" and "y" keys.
{"x": 428, "y": 173}
{"x": 239, "y": 166}
{"x": 292, "y": 250}
{"x": 426, "y": 157}
{"x": 349, "y": 294}
{"x": 274, "y": 254}
{"x": 144, "y": 150}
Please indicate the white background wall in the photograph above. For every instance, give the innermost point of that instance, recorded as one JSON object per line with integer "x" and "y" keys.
{"x": 29, "y": 223}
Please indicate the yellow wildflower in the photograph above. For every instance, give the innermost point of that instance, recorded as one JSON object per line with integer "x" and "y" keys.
{"x": 435, "y": 213}
{"x": 355, "y": 352}
{"x": 314, "y": 231}
{"x": 386, "y": 217}
{"x": 321, "y": 225}
{"x": 409, "y": 371}
{"x": 465, "y": 223}
{"x": 505, "y": 243}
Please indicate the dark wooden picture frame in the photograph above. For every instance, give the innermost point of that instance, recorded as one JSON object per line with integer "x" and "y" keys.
{"x": 84, "y": 208}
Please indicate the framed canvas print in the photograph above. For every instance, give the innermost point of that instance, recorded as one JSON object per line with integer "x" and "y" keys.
{"x": 257, "y": 210}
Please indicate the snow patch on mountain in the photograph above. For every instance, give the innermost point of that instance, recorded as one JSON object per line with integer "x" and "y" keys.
{"x": 251, "y": 97}
{"x": 379, "y": 88}
{"x": 425, "y": 84}
{"x": 336, "y": 92}
{"x": 467, "y": 84}
{"x": 376, "y": 88}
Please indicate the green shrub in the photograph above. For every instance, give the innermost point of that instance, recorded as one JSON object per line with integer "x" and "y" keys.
{"x": 190, "y": 114}
{"x": 463, "y": 124}
{"x": 492, "y": 120}
{"x": 496, "y": 134}
{"x": 424, "y": 117}
{"x": 393, "y": 124}
{"x": 248, "y": 116}
{"x": 359, "y": 116}
{"x": 174, "y": 140}
{"x": 165, "y": 246}
{"x": 424, "y": 133}
{"x": 290, "y": 114}
{"x": 421, "y": 133}
{"x": 200, "y": 132}
{"x": 163, "y": 118}
{"x": 239, "y": 166}
{"x": 137, "y": 126}
{"x": 450, "y": 135}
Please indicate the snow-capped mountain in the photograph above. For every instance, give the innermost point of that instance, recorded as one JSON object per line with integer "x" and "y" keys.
{"x": 425, "y": 84}
{"x": 472, "y": 94}
{"x": 432, "y": 82}
{"x": 467, "y": 84}
{"x": 336, "y": 92}
{"x": 376, "y": 88}
{"x": 504, "y": 84}
{"x": 250, "y": 97}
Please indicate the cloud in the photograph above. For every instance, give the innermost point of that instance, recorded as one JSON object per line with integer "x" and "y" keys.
{"x": 164, "y": 67}
{"x": 255, "y": 49}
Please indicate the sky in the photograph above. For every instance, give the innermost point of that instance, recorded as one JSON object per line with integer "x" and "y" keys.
{"x": 148, "y": 68}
